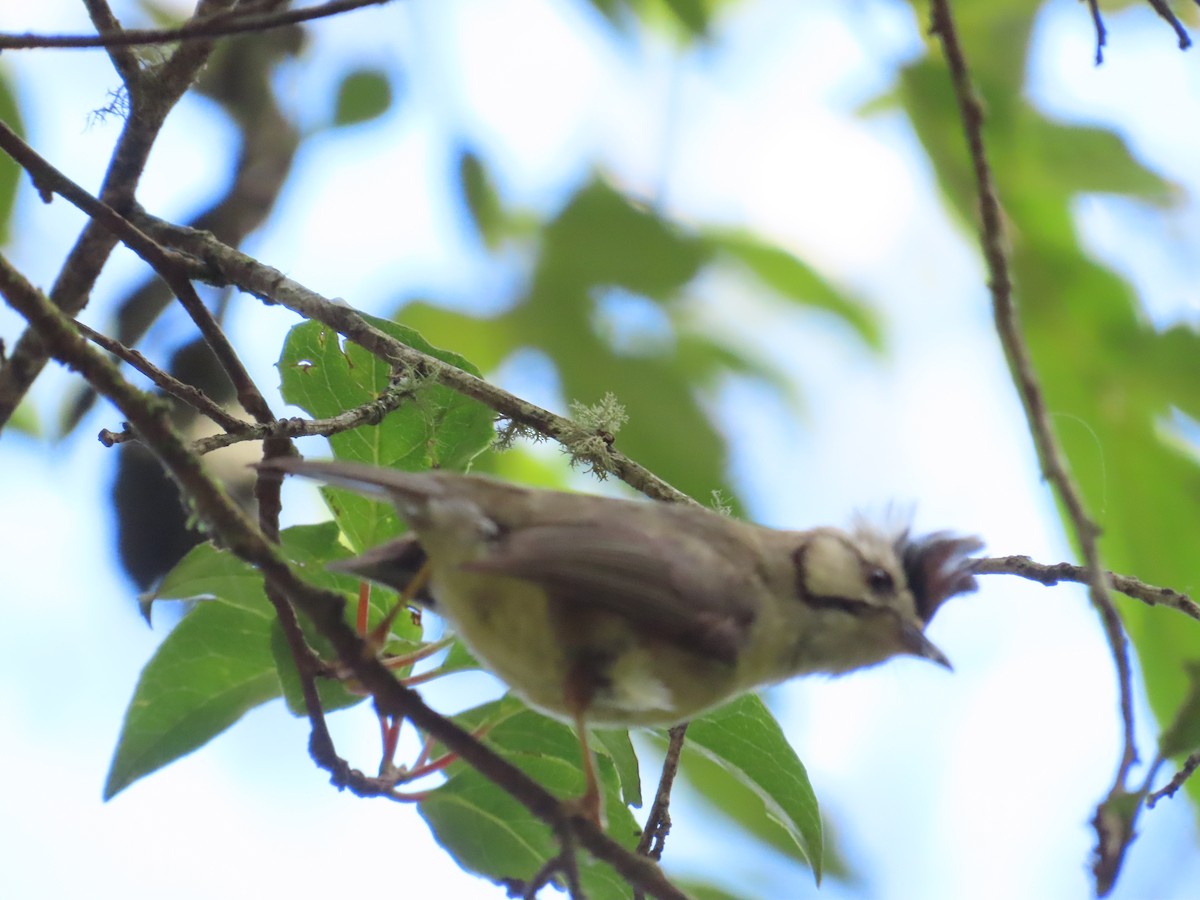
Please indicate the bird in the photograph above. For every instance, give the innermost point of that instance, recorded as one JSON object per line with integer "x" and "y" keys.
{"x": 610, "y": 612}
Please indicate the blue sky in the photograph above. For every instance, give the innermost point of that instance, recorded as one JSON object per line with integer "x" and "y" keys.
{"x": 974, "y": 784}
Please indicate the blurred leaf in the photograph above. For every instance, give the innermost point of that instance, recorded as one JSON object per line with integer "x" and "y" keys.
{"x": 603, "y": 245}
{"x": 744, "y": 738}
{"x": 363, "y": 95}
{"x": 1078, "y": 159}
{"x": 25, "y": 420}
{"x": 692, "y": 14}
{"x": 10, "y": 172}
{"x": 1175, "y": 368}
{"x": 706, "y": 359}
{"x": 491, "y": 834}
{"x": 700, "y": 890}
{"x": 601, "y": 238}
{"x": 794, "y": 280}
{"x": 485, "y": 341}
{"x": 482, "y": 201}
{"x": 1183, "y": 734}
{"x": 1108, "y": 379}
{"x": 162, "y": 15}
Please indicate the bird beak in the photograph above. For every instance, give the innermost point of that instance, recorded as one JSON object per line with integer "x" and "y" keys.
{"x": 916, "y": 644}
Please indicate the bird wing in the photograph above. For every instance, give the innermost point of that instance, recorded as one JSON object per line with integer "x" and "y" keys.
{"x": 670, "y": 586}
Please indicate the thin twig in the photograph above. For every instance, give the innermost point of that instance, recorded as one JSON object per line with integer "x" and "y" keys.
{"x": 565, "y": 862}
{"x": 1161, "y": 7}
{"x": 124, "y": 60}
{"x": 219, "y": 25}
{"x": 1190, "y": 765}
{"x": 168, "y": 383}
{"x": 1052, "y": 574}
{"x": 658, "y": 822}
{"x": 368, "y": 414}
{"x": 1028, "y": 387}
{"x": 1101, "y": 33}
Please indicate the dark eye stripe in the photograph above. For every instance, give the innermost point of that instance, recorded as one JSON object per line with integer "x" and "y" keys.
{"x": 877, "y": 578}
{"x": 846, "y": 604}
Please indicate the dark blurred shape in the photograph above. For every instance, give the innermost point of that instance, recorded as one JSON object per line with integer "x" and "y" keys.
{"x": 153, "y": 525}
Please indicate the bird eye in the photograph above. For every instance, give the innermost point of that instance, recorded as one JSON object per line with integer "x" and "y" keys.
{"x": 880, "y": 581}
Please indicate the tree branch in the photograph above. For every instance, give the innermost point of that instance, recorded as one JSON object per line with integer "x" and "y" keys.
{"x": 169, "y": 384}
{"x": 153, "y": 96}
{"x": 124, "y": 60}
{"x": 217, "y": 25}
{"x": 150, "y": 417}
{"x": 222, "y": 265}
{"x": 368, "y": 414}
{"x": 658, "y": 822}
{"x": 50, "y": 179}
{"x": 1049, "y": 575}
{"x": 1190, "y": 765}
{"x": 1028, "y": 387}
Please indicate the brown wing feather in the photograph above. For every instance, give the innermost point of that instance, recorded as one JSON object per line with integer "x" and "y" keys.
{"x": 647, "y": 578}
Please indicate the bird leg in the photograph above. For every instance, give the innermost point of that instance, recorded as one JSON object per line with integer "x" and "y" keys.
{"x": 378, "y": 635}
{"x": 375, "y": 639}
{"x": 579, "y": 690}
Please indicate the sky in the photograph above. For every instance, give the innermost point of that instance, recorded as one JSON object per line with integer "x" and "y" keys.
{"x": 978, "y": 783}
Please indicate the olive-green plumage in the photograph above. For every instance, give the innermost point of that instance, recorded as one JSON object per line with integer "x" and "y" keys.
{"x": 623, "y": 612}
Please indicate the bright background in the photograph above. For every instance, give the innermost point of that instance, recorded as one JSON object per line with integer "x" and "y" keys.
{"x": 978, "y": 784}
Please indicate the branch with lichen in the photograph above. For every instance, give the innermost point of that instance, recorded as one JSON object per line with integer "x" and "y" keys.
{"x": 229, "y": 525}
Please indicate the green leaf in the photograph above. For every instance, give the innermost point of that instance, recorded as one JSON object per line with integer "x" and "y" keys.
{"x": 363, "y": 95}
{"x": 1077, "y": 159}
{"x": 226, "y": 655}
{"x": 616, "y": 743}
{"x": 489, "y": 833}
{"x": 213, "y": 667}
{"x": 436, "y": 428}
{"x": 744, "y": 738}
{"x": 207, "y": 573}
{"x": 459, "y": 659}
